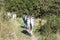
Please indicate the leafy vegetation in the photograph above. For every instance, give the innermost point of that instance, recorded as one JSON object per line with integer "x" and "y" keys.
{"x": 37, "y": 8}
{"x": 50, "y": 29}
{"x": 47, "y": 21}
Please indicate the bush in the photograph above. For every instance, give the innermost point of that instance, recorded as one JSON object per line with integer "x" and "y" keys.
{"x": 49, "y": 30}
{"x": 52, "y": 25}
{"x": 34, "y": 7}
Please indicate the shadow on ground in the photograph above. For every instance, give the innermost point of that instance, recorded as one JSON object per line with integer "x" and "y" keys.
{"x": 23, "y": 27}
{"x": 26, "y": 32}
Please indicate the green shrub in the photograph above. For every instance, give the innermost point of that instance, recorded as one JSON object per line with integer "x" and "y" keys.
{"x": 49, "y": 30}
{"x": 52, "y": 25}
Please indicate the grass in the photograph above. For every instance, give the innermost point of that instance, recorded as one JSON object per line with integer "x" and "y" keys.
{"x": 12, "y": 30}
{"x": 39, "y": 36}
{"x": 44, "y": 32}
{"x": 21, "y": 35}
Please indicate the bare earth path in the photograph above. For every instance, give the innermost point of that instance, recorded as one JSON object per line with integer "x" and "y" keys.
{"x": 33, "y": 37}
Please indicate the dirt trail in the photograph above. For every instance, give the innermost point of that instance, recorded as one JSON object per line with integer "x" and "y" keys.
{"x": 58, "y": 36}
{"x": 33, "y": 37}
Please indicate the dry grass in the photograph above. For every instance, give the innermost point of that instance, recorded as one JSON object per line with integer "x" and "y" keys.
{"x": 11, "y": 30}
{"x": 37, "y": 22}
{"x": 43, "y": 21}
{"x": 8, "y": 30}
